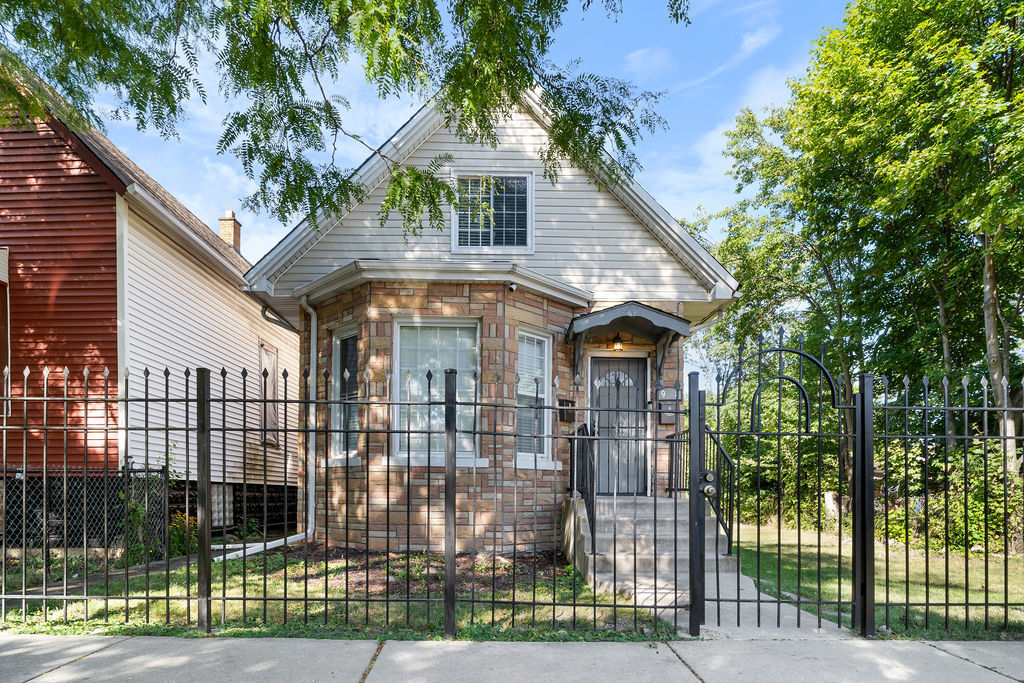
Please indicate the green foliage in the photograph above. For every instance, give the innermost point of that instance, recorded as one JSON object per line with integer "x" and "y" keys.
{"x": 143, "y": 536}
{"x": 277, "y": 63}
{"x": 182, "y": 535}
{"x": 882, "y": 213}
{"x": 784, "y": 467}
{"x": 960, "y": 502}
{"x": 142, "y": 542}
{"x": 248, "y": 528}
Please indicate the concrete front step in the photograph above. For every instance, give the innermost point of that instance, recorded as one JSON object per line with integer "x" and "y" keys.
{"x": 664, "y": 526}
{"x": 608, "y": 504}
{"x": 606, "y": 542}
{"x": 666, "y": 563}
{"x": 670, "y": 589}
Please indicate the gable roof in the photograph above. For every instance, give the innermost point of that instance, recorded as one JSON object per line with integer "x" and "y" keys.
{"x": 151, "y": 195}
{"x": 127, "y": 178}
{"x": 719, "y": 283}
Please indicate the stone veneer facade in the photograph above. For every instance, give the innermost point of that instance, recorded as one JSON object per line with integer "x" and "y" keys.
{"x": 398, "y": 507}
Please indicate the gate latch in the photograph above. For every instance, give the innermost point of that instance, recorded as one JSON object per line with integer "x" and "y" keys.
{"x": 707, "y": 487}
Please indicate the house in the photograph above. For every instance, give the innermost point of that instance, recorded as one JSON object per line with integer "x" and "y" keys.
{"x": 563, "y": 280}
{"x": 106, "y": 274}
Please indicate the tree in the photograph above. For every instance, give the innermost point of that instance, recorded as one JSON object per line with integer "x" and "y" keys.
{"x": 934, "y": 93}
{"x": 480, "y": 57}
{"x": 888, "y": 193}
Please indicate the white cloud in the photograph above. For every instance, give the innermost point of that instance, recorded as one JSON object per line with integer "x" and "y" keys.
{"x": 750, "y": 42}
{"x": 649, "y": 62}
{"x": 767, "y": 86}
{"x": 757, "y": 8}
{"x": 694, "y": 177}
{"x": 218, "y": 187}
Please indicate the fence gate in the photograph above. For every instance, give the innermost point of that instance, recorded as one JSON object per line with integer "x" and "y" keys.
{"x": 442, "y": 500}
{"x": 781, "y": 469}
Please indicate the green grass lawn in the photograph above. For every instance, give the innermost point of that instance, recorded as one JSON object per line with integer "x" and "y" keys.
{"x": 910, "y": 580}
{"x": 390, "y": 596}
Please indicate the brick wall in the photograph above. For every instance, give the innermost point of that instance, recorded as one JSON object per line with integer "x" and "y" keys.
{"x": 502, "y": 504}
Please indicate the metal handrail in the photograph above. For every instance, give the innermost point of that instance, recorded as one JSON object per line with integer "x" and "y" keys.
{"x": 581, "y": 465}
{"x": 678, "y": 460}
{"x": 724, "y": 521}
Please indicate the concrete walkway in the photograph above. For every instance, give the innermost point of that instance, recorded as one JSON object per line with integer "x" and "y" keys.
{"x": 144, "y": 658}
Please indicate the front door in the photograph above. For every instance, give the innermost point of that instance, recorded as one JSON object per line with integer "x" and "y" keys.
{"x": 619, "y": 389}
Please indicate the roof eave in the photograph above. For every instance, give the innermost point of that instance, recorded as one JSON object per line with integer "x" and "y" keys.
{"x": 718, "y": 282}
{"x": 150, "y": 208}
{"x": 366, "y": 270}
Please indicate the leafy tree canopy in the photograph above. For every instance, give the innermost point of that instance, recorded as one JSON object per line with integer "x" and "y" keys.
{"x": 280, "y": 59}
{"x": 885, "y": 200}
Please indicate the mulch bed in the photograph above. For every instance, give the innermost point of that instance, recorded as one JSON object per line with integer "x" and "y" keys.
{"x": 401, "y": 573}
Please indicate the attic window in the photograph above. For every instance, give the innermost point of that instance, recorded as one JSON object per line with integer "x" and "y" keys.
{"x": 494, "y": 214}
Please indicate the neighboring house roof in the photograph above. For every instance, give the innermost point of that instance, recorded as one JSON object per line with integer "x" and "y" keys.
{"x": 719, "y": 283}
{"x": 151, "y": 197}
{"x": 128, "y": 179}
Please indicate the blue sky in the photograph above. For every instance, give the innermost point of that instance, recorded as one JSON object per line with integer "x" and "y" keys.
{"x": 736, "y": 53}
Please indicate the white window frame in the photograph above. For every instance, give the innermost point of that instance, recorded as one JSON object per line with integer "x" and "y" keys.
{"x": 544, "y": 459}
{"x": 530, "y": 184}
{"x": 348, "y": 457}
{"x": 398, "y": 454}
{"x": 270, "y": 437}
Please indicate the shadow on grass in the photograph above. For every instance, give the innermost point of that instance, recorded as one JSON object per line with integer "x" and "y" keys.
{"x": 317, "y": 592}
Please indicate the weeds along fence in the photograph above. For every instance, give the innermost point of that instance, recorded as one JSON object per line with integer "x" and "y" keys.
{"x": 99, "y": 484}
{"x": 434, "y": 502}
{"x": 863, "y": 502}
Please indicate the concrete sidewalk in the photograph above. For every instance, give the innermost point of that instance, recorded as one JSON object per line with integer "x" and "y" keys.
{"x": 144, "y": 658}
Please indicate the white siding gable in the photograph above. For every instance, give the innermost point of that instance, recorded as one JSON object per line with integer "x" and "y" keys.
{"x": 583, "y": 235}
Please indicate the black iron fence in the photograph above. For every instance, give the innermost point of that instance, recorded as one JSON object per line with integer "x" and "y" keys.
{"x": 438, "y": 501}
{"x": 452, "y": 501}
{"x": 856, "y": 503}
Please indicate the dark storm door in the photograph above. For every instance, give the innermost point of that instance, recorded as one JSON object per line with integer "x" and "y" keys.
{"x": 619, "y": 387}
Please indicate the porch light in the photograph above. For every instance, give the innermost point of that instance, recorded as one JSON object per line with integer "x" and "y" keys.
{"x": 616, "y": 344}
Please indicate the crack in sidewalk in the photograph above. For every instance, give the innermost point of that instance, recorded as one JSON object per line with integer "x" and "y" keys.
{"x": 373, "y": 660}
{"x": 685, "y": 663}
{"x": 79, "y": 658}
{"x": 969, "y": 661}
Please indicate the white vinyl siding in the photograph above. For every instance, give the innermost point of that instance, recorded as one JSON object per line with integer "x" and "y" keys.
{"x": 179, "y": 314}
{"x": 582, "y": 235}
{"x": 429, "y": 347}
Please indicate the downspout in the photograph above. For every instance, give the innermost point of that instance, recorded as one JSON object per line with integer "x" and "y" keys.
{"x": 311, "y": 437}
{"x": 310, "y": 456}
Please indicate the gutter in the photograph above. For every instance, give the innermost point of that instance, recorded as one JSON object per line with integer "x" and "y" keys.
{"x": 708, "y": 322}
{"x": 716, "y": 315}
{"x": 310, "y": 458}
{"x": 145, "y": 201}
{"x": 366, "y": 270}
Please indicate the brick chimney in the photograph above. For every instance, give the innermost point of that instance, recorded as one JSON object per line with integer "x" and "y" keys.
{"x": 231, "y": 230}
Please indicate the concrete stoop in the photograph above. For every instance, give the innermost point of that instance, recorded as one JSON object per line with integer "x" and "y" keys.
{"x": 651, "y": 568}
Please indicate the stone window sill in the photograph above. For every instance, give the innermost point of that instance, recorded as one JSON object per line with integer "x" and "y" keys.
{"x": 345, "y": 461}
{"x": 526, "y": 461}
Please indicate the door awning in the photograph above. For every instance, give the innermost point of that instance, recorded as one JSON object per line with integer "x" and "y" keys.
{"x": 633, "y": 317}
